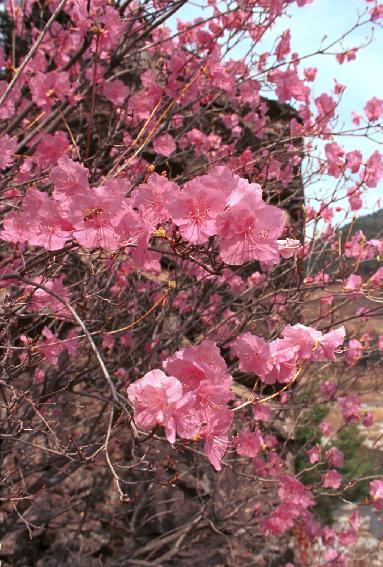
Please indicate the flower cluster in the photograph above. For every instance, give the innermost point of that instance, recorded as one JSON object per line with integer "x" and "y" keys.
{"x": 217, "y": 204}
{"x": 278, "y": 360}
{"x": 172, "y": 204}
{"x": 190, "y": 400}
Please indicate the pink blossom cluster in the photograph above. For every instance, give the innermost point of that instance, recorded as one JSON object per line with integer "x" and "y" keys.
{"x": 133, "y": 98}
{"x": 278, "y": 360}
{"x": 217, "y": 204}
{"x": 295, "y": 499}
{"x": 376, "y": 493}
{"x": 190, "y": 400}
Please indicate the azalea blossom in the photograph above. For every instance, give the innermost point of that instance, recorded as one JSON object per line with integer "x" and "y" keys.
{"x": 151, "y": 198}
{"x": 249, "y": 444}
{"x": 7, "y": 150}
{"x": 151, "y": 397}
{"x": 195, "y": 211}
{"x": 216, "y": 436}
{"x": 249, "y": 231}
{"x": 332, "y": 479}
{"x": 253, "y": 353}
{"x": 335, "y": 457}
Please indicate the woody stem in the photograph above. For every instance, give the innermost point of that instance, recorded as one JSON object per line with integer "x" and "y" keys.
{"x": 93, "y": 98}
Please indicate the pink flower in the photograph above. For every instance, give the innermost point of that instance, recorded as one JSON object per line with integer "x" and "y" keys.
{"x": 333, "y": 557}
{"x": 335, "y": 162}
{"x": 235, "y": 188}
{"x": 354, "y": 160}
{"x": 335, "y": 458}
{"x": 8, "y": 108}
{"x": 348, "y": 538}
{"x": 253, "y": 353}
{"x": 39, "y": 376}
{"x": 151, "y": 198}
{"x": 374, "y": 169}
{"x": 51, "y": 148}
{"x": 284, "y": 357}
{"x": 41, "y": 299}
{"x": 356, "y": 118}
{"x": 195, "y": 210}
{"x": 326, "y": 212}
{"x": 296, "y": 499}
{"x": 332, "y": 479}
{"x": 354, "y": 351}
{"x": 103, "y": 219}
{"x": 376, "y": 489}
{"x": 181, "y": 418}
{"x": 326, "y": 106}
{"x": 281, "y": 519}
{"x": 325, "y": 428}
{"x": 350, "y": 407}
{"x": 130, "y": 229}
{"x": 249, "y": 444}
{"x": 7, "y": 151}
{"x": 212, "y": 396}
{"x": 354, "y": 520}
{"x": 288, "y": 85}
{"x": 293, "y": 491}
{"x": 46, "y": 88}
{"x": 249, "y": 231}
{"x": 45, "y": 224}
{"x": 250, "y": 91}
{"x": 354, "y": 199}
{"x": 353, "y": 283}
{"x": 289, "y": 247}
{"x": 304, "y": 338}
{"x": 187, "y": 370}
{"x": 203, "y": 371}
{"x": 15, "y": 228}
{"x": 115, "y": 91}
{"x": 71, "y": 345}
{"x": 310, "y": 73}
{"x": 216, "y": 435}
{"x": 164, "y": 145}
{"x": 51, "y": 347}
{"x": 377, "y": 278}
{"x": 205, "y": 358}
{"x": 70, "y": 179}
{"x": 108, "y": 341}
{"x": 151, "y": 397}
{"x": 314, "y": 454}
{"x": 348, "y": 55}
{"x": 376, "y": 12}
{"x": 198, "y": 139}
{"x": 94, "y": 215}
{"x": 261, "y": 412}
{"x": 368, "y": 419}
{"x": 329, "y": 342}
{"x": 374, "y": 109}
{"x": 283, "y": 47}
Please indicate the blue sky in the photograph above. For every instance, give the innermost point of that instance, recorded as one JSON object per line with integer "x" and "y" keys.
{"x": 363, "y": 77}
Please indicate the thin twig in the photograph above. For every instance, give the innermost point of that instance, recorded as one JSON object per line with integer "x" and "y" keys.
{"x": 115, "y": 397}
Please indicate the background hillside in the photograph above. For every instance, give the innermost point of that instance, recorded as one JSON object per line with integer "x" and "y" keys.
{"x": 325, "y": 257}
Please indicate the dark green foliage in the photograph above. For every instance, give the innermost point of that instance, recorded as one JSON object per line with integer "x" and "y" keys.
{"x": 371, "y": 225}
{"x": 326, "y": 258}
{"x": 359, "y": 461}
